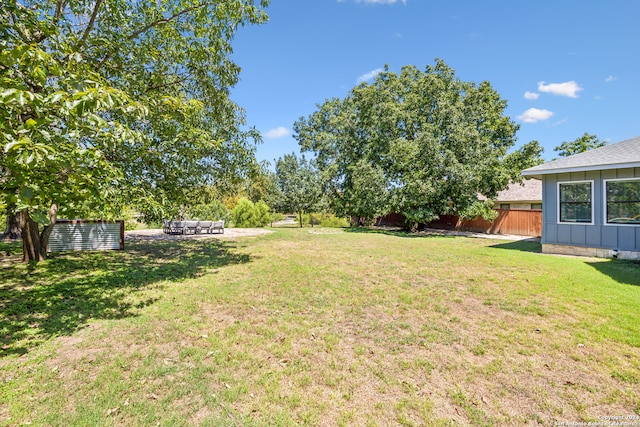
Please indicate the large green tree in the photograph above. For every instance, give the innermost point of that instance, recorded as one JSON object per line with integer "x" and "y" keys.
{"x": 300, "y": 185}
{"x": 110, "y": 102}
{"x": 422, "y": 143}
{"x": 367, "y": 194}
{"x": 584, "y": 143}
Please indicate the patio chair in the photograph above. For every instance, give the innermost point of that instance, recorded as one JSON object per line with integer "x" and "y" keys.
{"x": 190, "y": 227}
{"x": 176, "y": 227}
{"x": 218, "y": 225}
{"x": 204, "y": 226}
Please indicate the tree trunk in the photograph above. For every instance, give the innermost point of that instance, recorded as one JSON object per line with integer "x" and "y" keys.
{"x": 30, "y": 239}
{"x": 34, "y": 243}
{"x": 300, "y": 216}
{"x": 13, "y": 228}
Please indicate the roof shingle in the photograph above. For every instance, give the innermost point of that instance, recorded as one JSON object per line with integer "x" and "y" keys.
{"x": 529, "y": 191}
{"x": 623, "y": 154}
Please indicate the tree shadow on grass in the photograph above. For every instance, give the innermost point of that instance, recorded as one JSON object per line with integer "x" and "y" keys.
{"x": 625, "y": 272}
{"x": 521, "y": 245}
{"x": 622, "y": 271}
{"x": 58, "y": 296}
{"x": 397, "y": 232}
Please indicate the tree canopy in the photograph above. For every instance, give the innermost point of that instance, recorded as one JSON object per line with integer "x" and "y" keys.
{"x": 584, "y": 143}
{"x": 108, "y": 102}
{"x": 299, "y": 185}
{"x": 422, "y": 143}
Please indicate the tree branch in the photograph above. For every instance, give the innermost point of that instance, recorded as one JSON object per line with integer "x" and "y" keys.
{"x": 155, "y": 23}
{"x": 27, "y": 37}
{"x": 60, "y": 5}
{"x": 87, "y": 30}
{"x": 14, "y": 20}
{"x": 168, "y": 84}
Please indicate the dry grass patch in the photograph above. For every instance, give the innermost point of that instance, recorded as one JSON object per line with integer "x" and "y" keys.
{"x": 337, "y": 329}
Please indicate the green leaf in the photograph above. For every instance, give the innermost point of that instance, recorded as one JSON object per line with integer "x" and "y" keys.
{"x": 26, "y": 193}
{"x": 13, "y": 145}
{"x": 9, "y": 93}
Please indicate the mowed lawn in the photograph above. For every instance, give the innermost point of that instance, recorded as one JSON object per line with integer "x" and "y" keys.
{"x": 319, "y": 327}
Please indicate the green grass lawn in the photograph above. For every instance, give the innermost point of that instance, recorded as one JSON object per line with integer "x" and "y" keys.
{"x": 319, "y": 327}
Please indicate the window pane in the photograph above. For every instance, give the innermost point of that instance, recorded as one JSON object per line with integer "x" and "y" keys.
{"x": 579, "y": 192}
{"x": 575, "y": 202}
{"x": 623, "y": 202}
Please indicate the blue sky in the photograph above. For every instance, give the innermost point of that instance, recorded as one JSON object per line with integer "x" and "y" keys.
{"x": 565, "y": 67}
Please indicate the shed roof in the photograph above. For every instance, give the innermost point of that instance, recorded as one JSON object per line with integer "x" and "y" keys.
{"x": 623, "y": 154}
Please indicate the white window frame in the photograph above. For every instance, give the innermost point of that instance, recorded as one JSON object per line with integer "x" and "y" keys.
{"x": 593, "y": 204}
{"x": 604, "y": 203}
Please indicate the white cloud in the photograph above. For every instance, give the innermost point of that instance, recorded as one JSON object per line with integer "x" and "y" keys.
{"x": 569, "y": 89}
{"x": 534, "y": 115}
{"x": 370, "y": 75}
{"x": 278, "y": 132}
{"x": 610, "y": 79}
{"x": 531, "y": 95}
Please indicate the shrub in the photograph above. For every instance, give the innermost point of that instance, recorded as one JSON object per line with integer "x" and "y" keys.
{"x": 323, "y": 220}
{"x": 334, "y": 222}
{"x": 212, "y": 211}
{"x": 306, "y": 219}
{"x": 277, "y": 216}
{"x": 315, "y": 218}
{"x": 263, "y": 217}
{"x": 244, "y": 214}
{"x": 247, "y": 214}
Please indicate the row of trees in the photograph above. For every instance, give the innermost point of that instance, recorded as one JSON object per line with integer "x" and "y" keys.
{"x": 298, "y": 186}
{"x": 109, "y": 103}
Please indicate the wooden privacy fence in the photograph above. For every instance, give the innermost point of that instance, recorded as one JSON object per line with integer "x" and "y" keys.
{"x": 84, "y": 235}
{"x": 523, "y": 222}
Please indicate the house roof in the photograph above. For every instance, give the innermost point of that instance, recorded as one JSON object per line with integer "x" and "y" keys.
{"x": 529, "y": 191}
{"x": 624, "y": 154}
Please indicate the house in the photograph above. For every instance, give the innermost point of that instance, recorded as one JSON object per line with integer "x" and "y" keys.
{"x": 526, "y": 195}
{"x": 519, "y": 212}
{"x": 591, "y": 202}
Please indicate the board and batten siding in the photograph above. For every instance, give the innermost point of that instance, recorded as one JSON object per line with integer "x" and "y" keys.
{"x": 82, "y": 235}
{"x": 598, "y": 234}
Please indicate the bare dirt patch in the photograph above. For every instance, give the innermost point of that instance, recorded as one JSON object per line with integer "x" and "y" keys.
{"x": 158, "y": 234}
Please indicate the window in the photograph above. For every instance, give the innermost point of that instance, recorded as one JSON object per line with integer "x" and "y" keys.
{"x": 622, "y": 201}
{"x": 575, "y": 201}
{"x": 536, "y": 206}
{"x": 505, "y": 205}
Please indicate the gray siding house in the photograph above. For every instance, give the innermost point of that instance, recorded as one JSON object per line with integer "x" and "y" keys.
{"x": 591, "y": 202}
